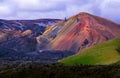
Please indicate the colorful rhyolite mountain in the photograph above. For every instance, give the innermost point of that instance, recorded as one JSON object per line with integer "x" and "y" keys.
{"x": 78, "y": 32}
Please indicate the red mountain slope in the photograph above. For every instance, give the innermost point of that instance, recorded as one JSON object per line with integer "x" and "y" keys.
{"x": 80, "y": 31}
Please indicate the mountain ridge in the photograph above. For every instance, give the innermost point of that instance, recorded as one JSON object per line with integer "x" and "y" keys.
{"x": 80, "y": 31}
{"x": 19, "y": 34}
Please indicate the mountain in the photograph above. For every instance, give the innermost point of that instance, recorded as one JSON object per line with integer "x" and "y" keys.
{"x": 20, "y": 35}
{"x": 101, "y": 54}
{"x": 78, "y": 32}
{"x": 26, "y": 24}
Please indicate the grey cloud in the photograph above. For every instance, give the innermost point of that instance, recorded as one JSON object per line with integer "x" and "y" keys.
{"x": 34, "y": 9}
{"x": 111, "y": 9}
{"x": 56, "y": 7}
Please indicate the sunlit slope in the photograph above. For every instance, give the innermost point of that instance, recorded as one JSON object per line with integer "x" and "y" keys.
{"x": 83, "y": 30}
{"x": 78, "y": 32}
{"x": 102, "y": 54}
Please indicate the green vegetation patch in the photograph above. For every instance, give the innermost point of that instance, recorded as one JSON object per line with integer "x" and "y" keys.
{"x": 102, "y": 54}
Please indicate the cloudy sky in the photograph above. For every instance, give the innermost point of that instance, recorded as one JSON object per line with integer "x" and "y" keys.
{"x": 35, "y": 9}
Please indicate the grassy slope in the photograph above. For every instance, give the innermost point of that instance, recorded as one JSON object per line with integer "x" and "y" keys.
{"x": 104, "y": 53}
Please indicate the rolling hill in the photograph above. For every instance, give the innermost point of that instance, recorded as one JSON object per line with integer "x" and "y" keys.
{"x": 101, "y": 54}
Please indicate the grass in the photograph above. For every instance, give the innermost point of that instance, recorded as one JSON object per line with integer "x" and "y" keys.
{"x": 101, "y": 54}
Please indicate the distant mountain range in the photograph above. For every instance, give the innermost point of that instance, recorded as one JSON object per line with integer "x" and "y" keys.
{"x": 19, "y": 35}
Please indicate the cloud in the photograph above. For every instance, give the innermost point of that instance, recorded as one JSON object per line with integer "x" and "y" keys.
{"x": 110, "y": 9}
{"x": 35, "y": 9}
{"x": 1, "y": 0}
{"x": 5, "y": 10}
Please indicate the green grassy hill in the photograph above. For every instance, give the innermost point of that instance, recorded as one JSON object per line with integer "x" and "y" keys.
{"x": 101, "y": 54}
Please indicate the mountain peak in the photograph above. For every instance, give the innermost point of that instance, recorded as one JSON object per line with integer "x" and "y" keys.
{"x": 81, "y": 15}
{"x": 84, "y": 13}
